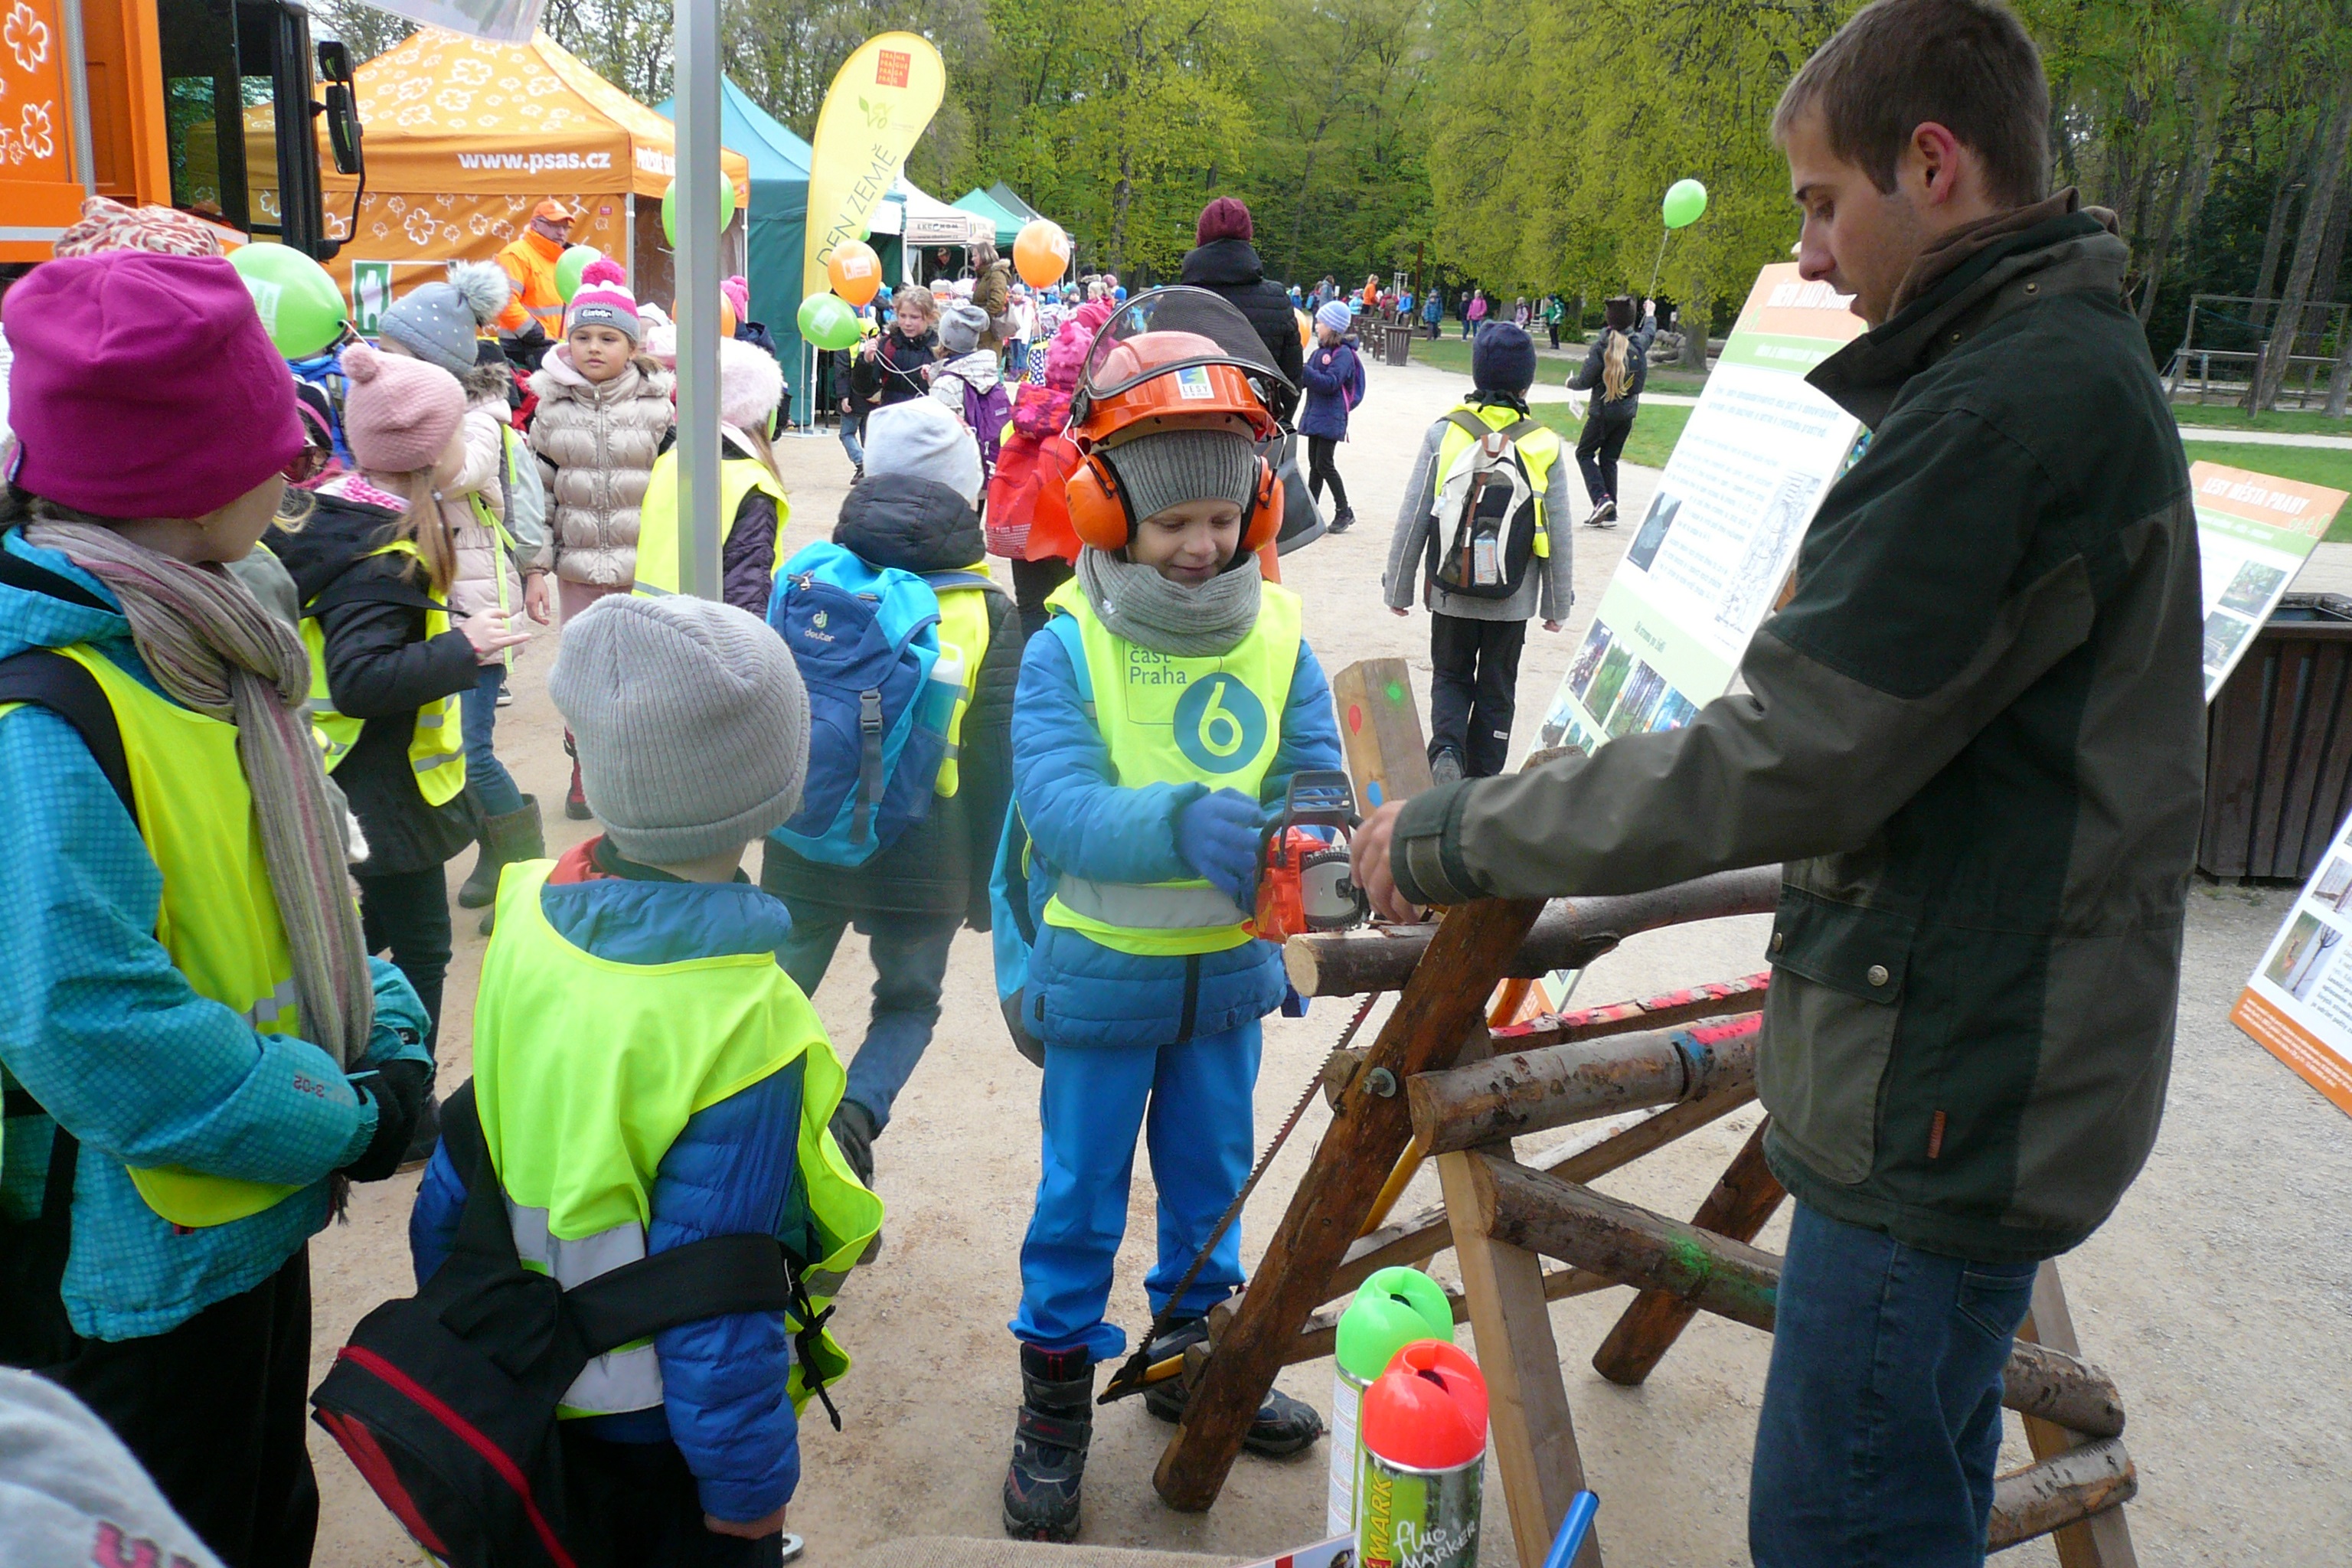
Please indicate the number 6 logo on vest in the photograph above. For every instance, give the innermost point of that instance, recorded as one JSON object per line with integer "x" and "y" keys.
{"x": 1220, "y": 724}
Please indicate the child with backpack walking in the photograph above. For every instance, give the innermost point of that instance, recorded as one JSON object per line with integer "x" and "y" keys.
{"x": 1485, "y": 526}
{"x": 1615, "y": 367}
{"x": 751, "y": 496}
{"x": 373, "y": 565}
{"x": 896, "y": 363}
{"x": 702, "y": 1112}
{"x": 968, "y": 384}
{"x": 603, "y": 410}
{"x": 1160, "y": 712}
{"x": 912, "y": 513}
{"x": 1335, "y": 384}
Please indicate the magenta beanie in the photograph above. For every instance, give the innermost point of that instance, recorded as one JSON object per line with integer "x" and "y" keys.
{"x": 145, "y": 386}
{"x": 399, "y": 414}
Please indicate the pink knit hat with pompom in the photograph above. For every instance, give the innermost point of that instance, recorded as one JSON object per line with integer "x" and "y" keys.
{"x": 605, "y": 300}
{"x": 399, "y": 414}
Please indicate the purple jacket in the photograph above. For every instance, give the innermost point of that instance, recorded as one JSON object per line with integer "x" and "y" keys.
{"x": 1334, "y": 383}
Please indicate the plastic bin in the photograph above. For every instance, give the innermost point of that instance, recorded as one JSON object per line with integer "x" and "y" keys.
{"x": 2278, "y": 745}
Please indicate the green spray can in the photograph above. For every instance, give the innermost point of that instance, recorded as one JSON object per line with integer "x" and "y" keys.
{"x": 1393, "y": 1308}
{"x": 1424, "y": 1456}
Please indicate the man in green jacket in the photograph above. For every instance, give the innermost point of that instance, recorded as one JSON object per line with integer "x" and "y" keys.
{"x": 1974, "y": 735}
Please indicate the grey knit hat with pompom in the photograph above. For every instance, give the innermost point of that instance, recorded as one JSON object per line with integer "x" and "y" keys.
{"x": 438, "y": 322}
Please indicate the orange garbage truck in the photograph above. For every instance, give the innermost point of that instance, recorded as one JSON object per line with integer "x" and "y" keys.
{"x": 203, "y": 105}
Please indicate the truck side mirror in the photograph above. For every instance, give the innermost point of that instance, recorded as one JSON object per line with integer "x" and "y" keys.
{"x": 342, "y": 109}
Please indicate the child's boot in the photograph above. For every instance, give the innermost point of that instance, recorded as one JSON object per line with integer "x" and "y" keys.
{"x": 516, "y": 835}
{"x": 1283, "y": 1426}
{"x": 1049, "y": 1443}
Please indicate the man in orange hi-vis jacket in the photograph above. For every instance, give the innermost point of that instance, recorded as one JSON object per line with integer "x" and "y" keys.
{"x": 530, "y": 262}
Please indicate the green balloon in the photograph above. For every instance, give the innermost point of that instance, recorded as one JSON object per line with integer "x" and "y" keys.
{"x": 570, "y": 265}
{"x": 1394, "y": 1308}
{"x": 301, "y": 308}
{"x": 827, "y": 321}
{"x": 669, "y": 208}
{"x": 1686, "y": 200}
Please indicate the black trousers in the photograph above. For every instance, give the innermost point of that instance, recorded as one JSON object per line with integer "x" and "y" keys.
{"x": 214, "y": 1410}
{"x": 408, "y": 914}
{"x": 1472, "y": 689}
{"x": 639, "y": 1500}
{"x": 1554, "y": 326}
{"x": 1032, "y": 582}
{"x": 1596, "y": 453}
{"x": 1323, "y": 464}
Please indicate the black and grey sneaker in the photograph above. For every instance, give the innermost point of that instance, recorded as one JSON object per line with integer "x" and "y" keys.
{"x": 1284, "y": 1425}
{"x": 1446, "y": 767}
{"x": 1049, "y": 1445}
{"x": 1344, "y": 520}
{"x": 1603, "y": 516}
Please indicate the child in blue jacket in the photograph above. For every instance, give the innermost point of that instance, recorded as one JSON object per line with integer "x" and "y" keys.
{"x": 1335, "y": 384}
{"x": 648, "y": 1075}
{"x": 1160, "y": 710}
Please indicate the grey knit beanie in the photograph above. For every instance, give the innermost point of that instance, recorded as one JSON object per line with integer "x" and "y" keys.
{"x": 960, "y": 325}
{"x": 691, "y": 721}
{"x": 1169, "y": 468}
{"x": 920, "y": 436}
{"x": 438, "y": 322}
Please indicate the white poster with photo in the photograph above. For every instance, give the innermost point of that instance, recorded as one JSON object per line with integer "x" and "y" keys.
{"x": 2298, "y": 1005}
{"x": 1722, "y": 532}
{"x": 2253, "y": 533}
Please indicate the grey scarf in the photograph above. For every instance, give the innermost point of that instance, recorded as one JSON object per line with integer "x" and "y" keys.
{"x": 1149, "y": 611}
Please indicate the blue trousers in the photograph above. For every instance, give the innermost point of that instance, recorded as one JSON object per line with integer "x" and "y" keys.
{"x": 852, "y": 427}
{"x": 910, "y": 966}
{"x": 477, "y": 719}
{"x": 1881, "y": 1423}
{"x": 1192, "y": 1103}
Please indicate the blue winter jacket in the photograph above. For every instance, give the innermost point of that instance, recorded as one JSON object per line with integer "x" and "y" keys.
{"x": 734, "y": 1169}
{"x": 100, "y": 1029}
{"x": 1080, "y": 993}
{"x": 1335, "y": 384}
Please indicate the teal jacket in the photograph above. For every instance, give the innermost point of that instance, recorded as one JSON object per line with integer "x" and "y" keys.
{"x": 100, "y": 1029}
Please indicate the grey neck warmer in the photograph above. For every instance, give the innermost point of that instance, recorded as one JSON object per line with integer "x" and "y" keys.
{"x": 1149, "y": 611}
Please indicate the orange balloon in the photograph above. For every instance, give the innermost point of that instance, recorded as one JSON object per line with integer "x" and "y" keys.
{"x": 1041, "y": 253}
{"x": 726, "y": 316}
{"x": 856, "y": 271}
{"x": 1305, "y": 328}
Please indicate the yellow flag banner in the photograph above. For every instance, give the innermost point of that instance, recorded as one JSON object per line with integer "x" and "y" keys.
{"x": 881, "y": 99}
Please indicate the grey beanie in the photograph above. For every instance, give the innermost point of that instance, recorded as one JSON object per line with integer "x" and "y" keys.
{"x": 921, "y": 437}
{"x": 439, "y": 323}
{"x": 691, "y": 721}
{"x": 960, "y": 325}
{"x": 1169, "y": 468}
{"x": 71, "y": 1493}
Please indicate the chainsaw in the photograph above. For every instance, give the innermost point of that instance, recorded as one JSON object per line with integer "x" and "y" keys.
{"x": 1305, "y": 883}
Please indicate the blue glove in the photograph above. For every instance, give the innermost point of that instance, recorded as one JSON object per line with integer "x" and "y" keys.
{"x": 1217, "y": 834}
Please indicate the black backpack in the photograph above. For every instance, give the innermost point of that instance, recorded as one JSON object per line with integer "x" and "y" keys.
{"x": 445, "y": 1402}
{"x": 1484, "y": 513}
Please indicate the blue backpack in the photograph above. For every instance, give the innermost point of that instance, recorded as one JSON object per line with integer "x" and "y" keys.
{"x": 1019, "y": 883}
{"x": 867, "y": 639}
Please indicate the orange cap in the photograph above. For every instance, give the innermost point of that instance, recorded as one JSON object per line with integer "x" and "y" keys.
{"x": 554, "y": 211}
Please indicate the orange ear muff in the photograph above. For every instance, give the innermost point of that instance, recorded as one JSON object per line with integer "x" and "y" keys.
{"x": 1263, "y": 523}
{"x": 1097, "y": 506}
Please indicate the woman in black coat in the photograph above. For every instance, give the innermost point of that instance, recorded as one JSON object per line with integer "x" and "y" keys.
{"x": 1615, "y": 366}
{"x": 1223, "y": 262}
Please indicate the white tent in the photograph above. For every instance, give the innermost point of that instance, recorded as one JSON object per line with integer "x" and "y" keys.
{"x": 917, "y": 217}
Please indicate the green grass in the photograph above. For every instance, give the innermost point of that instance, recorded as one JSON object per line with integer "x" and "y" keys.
{"x": 1656, "y": 429}
{"x": 1450, "y": 352}
{"x": 2298, "y": 422}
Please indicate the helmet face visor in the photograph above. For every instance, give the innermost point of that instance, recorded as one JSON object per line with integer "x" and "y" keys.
{"x": 1189, "y": 326}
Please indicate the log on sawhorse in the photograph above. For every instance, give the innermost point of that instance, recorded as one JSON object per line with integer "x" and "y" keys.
{"x": 1644, "y": 1096}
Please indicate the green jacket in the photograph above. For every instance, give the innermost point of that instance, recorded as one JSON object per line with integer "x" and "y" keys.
{"x": 1975, "y": 735}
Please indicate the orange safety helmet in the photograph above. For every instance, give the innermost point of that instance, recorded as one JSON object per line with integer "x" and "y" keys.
{"x": 1171, "y": 359}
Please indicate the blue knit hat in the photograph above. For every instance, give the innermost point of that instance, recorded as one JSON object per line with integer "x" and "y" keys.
{"x": 1503, "y": 359}
{"x": 1337, "y": 316}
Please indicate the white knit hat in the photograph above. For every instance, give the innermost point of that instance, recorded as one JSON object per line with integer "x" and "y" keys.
{"x": 920, "y": 436}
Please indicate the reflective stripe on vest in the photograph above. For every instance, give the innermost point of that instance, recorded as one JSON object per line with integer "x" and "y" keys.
{"x": 963, "y": 628}
{"x": 1215, "y": 721}
{"x": 577, "y": 1151}
{"x": 436, "y": 749}
{"x": 658, "y": 568}
{"x": 1538, "y": 449}
{"x": 502, "y": 543}
{"x": 217, "y": 917}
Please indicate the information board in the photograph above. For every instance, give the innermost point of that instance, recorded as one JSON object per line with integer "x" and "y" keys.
{"x": 2298, "y": 1005}
{"x": 2254, "y": 532}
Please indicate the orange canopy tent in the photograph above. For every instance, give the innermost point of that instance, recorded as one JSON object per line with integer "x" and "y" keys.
{"x": 465, "y": 136}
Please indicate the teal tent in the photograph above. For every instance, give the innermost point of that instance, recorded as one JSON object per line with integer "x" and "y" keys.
{"x": 779, "y": 228}
{"x": 1003, "y": 196}
{"x": 980, "y": 203}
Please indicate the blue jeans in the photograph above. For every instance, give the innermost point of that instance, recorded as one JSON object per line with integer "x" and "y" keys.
{"x": 1881, "y": 1422}
{"x": 849, "y": 441}
{"x": 477, "y": 719}
{"x": 1192, "y": 1103}
{"x": 910, "y": 966}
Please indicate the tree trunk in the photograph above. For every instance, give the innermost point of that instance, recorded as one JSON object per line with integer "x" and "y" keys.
{"x": 2339, "y": 381}
{"x": 2316, "y": 214}
{"x": 2196, "y": 176}
{"x": 1121, "y": 194}
{"x": 2273, "y": 238}
{"x": 1697, "y": 316}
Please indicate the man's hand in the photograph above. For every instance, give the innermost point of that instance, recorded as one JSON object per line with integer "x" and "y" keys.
{"x": 1367, "y": 863}
{"x": 750, "y": 1529}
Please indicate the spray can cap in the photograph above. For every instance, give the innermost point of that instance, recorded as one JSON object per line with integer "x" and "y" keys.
{"x": 1428, "y": 1411}
{"x": 1393, "y": 1308}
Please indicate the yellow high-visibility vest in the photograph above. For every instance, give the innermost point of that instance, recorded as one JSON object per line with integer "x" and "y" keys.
{"x": 436, "y": 748}
{"x": 659, "y": 569}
